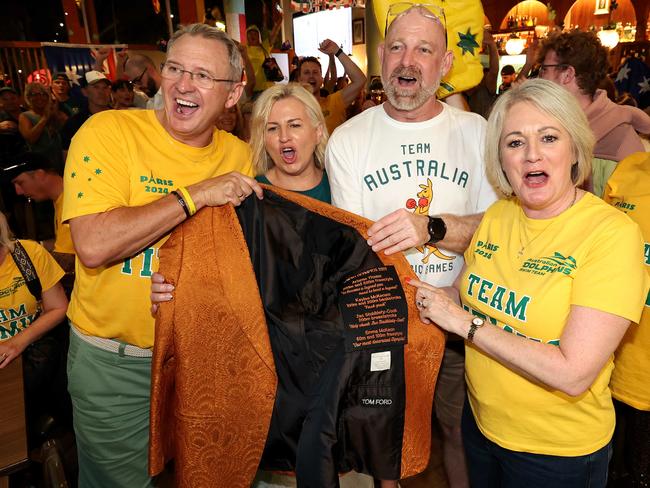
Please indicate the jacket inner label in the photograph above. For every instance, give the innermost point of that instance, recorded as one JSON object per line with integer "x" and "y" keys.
{"x": 373, "y": 308}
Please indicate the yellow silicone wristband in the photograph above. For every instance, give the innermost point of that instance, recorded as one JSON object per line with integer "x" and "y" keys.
{"x": 188, "y": 199}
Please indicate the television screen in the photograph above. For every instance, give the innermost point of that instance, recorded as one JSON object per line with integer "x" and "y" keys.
{"x": 309, "y": 30}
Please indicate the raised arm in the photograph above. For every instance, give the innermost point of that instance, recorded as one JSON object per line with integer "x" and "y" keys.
{"x": 100, "y": 56}
{"x": 329, "y": 82}
{"x": 33, "y": 132}
{"x": 531, "y": 59}
{"x": 357, "y": 78}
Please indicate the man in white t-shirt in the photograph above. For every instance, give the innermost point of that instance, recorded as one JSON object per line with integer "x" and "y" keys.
{"x": 415, "y": 165}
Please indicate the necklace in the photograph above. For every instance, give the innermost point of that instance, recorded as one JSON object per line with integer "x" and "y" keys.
{"x": 520, "y": 253}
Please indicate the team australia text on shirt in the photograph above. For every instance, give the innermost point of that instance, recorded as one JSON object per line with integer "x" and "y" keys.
{"x": 414, "y": 168}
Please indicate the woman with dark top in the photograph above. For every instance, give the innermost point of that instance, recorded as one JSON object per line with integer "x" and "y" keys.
{"x": 288, "y": 138}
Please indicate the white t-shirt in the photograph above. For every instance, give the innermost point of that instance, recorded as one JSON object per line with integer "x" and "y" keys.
{"x": 377, "y": 165}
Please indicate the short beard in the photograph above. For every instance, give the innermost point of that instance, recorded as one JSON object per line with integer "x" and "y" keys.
{"x": 407, "y": 100}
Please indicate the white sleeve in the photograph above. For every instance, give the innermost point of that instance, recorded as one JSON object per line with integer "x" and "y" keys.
{"x": 343, "y": 178}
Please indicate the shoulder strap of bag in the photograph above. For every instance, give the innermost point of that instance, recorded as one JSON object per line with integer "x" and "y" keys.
{"x": 26, "y": 267}
{"x": 266, "y": 53}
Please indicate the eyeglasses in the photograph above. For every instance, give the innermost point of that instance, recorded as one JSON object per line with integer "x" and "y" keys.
{"x": 138, "y": 79}
{"x": 201, "y": 79}
{"x": 428, "y": 10}
{"x": 544, "y": 67}
{"x": 38, "y": 94}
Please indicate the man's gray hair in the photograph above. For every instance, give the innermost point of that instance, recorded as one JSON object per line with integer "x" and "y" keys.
{"x": 207, "y": 32}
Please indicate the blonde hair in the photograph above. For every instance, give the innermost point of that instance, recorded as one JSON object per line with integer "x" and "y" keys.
{"x": 6, "y": 236}
{"x": 261, "y": 111}
{"x": 31, "y": 88}
{"x": 556, "y": 102}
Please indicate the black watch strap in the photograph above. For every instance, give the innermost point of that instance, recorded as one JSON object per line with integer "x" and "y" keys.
{"x": 437, "y": 229}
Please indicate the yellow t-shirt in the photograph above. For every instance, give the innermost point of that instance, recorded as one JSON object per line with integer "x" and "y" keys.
{"x": 586, "y": 256}
{"x": 63, "y": 241}
{"x": 126, "y": 158}
{"x": 629, "y": 190}
{"x": 257, "y": 55}
{"x": 333, "y": 108}
{"x": 18, "y": 307}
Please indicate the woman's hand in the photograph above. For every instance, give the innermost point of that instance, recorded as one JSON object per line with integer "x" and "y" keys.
{"x": 11, "y": 348}
{"x": 160, "y": 291}
{"x": 441, "y": 306}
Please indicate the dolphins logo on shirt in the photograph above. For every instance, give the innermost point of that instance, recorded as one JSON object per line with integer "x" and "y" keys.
{"x": 421, "y": 207}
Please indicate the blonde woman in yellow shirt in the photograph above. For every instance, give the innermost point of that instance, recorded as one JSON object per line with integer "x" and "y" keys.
{"x": 23, "y": 319}
{"x": 550, "y": 285}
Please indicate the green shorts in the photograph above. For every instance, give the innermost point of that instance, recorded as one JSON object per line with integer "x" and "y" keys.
{"x": 110, "y": 401}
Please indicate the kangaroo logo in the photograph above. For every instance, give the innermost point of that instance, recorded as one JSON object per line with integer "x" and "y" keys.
{"x": 421, "y": 207}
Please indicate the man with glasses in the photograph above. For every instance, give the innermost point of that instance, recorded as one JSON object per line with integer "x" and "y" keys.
{"x": 415, "y": 165}
{"x": 131, "y": 177}
{"x": 579, "y": 62}
{"x": 142, "y": 72}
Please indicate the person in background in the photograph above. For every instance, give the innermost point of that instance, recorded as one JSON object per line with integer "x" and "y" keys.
{"x": 543, "y": 300}
{"x": 481, "y": 97}
{"x": 231, "y": 121}
{"x": 61, "y": 92}
{"x": 246, "y": 111}
{"x": 122, "y": 95}
{"x": 41, "y": 125}
{"x": 34, "y": 177}
{"x": 334, "y": 105}
{"x": 141, "y": 71}
{"x": 578, "y": 62}
{"x": 11, "y": 142}
{"x": 97, "y": 89}
{"x": 25, "y": 322}
{"x": 508, "y": 76}
{"x": 628, "y": 189}
{"x": 259, "y": 48}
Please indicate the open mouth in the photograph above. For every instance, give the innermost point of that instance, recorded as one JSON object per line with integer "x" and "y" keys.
{"x": 185, "y": 107}
{"x": 406, "y": 80}
{"x": 536, "y": 178}
{"x": 288, "y": 155}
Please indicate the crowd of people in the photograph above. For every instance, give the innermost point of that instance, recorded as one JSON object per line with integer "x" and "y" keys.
{"x": 515, "y": 228}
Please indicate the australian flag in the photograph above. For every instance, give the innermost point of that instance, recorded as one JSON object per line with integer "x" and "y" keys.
{"x": 634, "y": 78}
{"x": 74, "y": 60}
